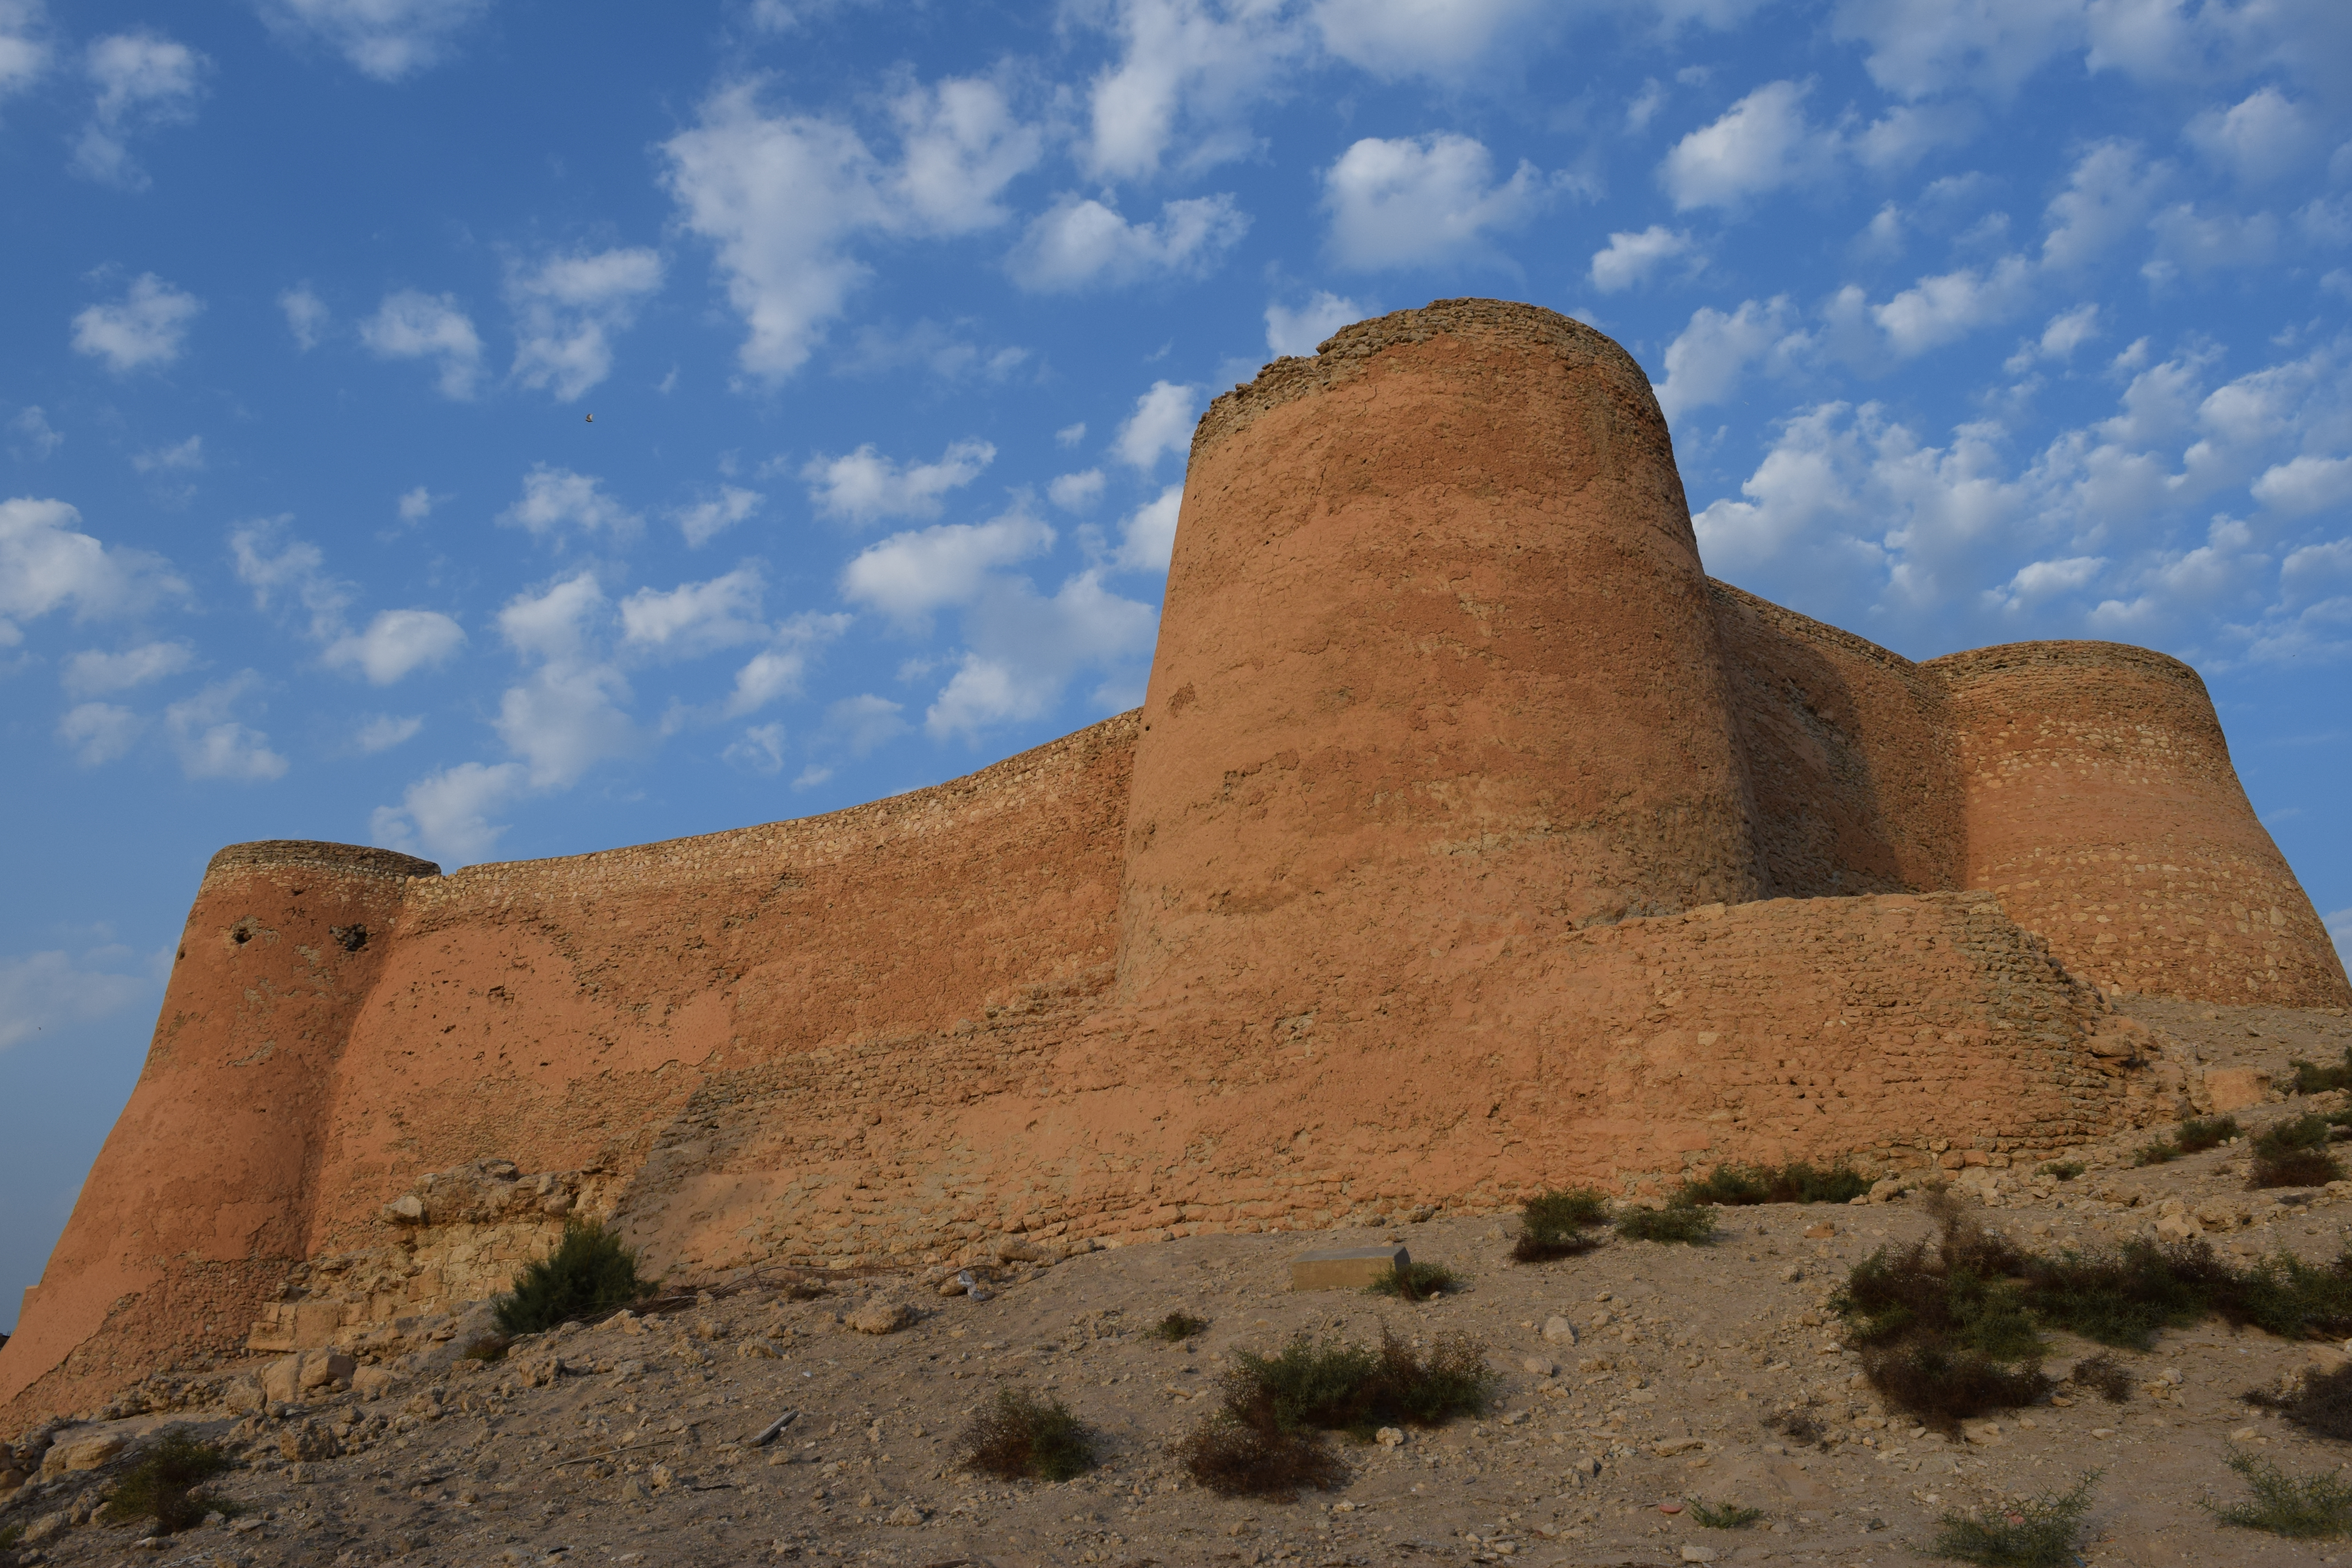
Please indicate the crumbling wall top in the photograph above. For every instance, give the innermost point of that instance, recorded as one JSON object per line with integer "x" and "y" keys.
{"x": 349, "y": 859}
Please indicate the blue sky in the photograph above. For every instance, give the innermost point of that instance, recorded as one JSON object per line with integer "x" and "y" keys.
{"x": 1976, "y": 320}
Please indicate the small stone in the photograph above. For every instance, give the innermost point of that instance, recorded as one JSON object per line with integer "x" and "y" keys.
{"x": 758, "y": 1349}
{"x": 1820, "y": 1232}
{"x": 1670, "y": 1447}
{"x": 1670, "y": 1505}
{"x": 881, "y": 1317}
{"x": 1692, "y": 1553}
{"x": 2242, "y": 1434}
{"x": 1559, "y": 1331}
{"x": 1986, "y": 1434}
{"x": 906, "y": 1513}
{"x": 1538, "y": 1366}
{"x": 1391, "y": 1438}
{"x": 1585, "y": 1466}
{"x": 405, "y": 1209}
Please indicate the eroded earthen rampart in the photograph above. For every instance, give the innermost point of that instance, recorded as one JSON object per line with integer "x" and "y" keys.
{"x": 1469, "y": 839}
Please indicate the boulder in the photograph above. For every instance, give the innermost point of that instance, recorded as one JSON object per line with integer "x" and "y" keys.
{"x": 881, "y": 1317}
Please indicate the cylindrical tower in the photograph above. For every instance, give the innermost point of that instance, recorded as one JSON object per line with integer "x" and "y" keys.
{"x": 2102, "y": 809}
{"x": 200, "y": 1198}
{"x": 1438, "y": 665}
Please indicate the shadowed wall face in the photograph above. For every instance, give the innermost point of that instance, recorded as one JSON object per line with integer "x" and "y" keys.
{"x": 1437, "y": 665}
{"x": 2103, "y": 809}
{"x": 202, "y": 1194}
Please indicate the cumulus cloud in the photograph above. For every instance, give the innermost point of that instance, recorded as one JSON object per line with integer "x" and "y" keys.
{"x": 2260, "y": 139}
{"x": 760, "y": 748}
{"x": 396, "y": 643}
{"x": 94, "y": 673}
{"x": 2190, "y": 238}
{"x": 276, "y": 565}
{"x": 385, "y": 39}
{"x": 2305, "y": 484}
{"x": 146, "y": 328}
{"x": 1418, "y": 201}
{"x": 1162, "y": 423}
{"x": 783, "y": 199}
{"x": 1630, "y": 259}
{"x": 1708, "y": 357}
{"x": 1187, "y": 70}
{"x": 2066, "y": 332}
{"x": 1147, "y": 534}
{"x": 1081, "y": 243}
{"x": 411, "y": 325}
{"x": 41, "y": 992}
{"x": 1075, "y": 492}
{"x": 1301, "y": 331}
{"x": 570, "y": 712}
{"x": 445, "y": 816}
{"x": 1447, "y": 39}
{"x": 47, "y": 563}
{"x": 706, "y": 520}
{"x": 382, "y": 731}
{"x": 777, "y": 670}
{"x": 908, "y": 576}
{"x": 142, "y": 79}
{"x": 184, "y": 456}
{"x": 1923, "y": 47}
{"x": 864, "y": 487}
{"x": 306, "y": 315}
{"x": 554, "y": 499}
{"x": 32, "y": 436}
{"x": 2107, "y": 195}
{"x": 1940, "y": 310}
{"x": 212, "y": 742}
{"x": 416, "y": 505}
{"x": 99, "y": 732}
{"x": 23, "y": 52}
{"x": 1761, "y": 144}
{"x": 695, "y": 618}
{"x": 1025, "y": 647}
{"x": 568, "y": 309}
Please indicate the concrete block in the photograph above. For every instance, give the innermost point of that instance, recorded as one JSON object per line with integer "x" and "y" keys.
{"x": 1346, "y": 1268}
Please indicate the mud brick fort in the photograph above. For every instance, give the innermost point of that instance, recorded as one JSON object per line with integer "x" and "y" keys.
{"x": 1470, "y": 838}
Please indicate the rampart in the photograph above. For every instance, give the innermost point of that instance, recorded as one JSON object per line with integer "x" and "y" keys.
{"x": 1469, "y": 839}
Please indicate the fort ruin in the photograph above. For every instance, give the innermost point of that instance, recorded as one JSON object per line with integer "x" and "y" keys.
{"x": 1470, "y": 839}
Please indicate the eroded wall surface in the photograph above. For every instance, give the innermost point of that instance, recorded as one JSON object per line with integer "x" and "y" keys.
{"x": 1469, "y": 840}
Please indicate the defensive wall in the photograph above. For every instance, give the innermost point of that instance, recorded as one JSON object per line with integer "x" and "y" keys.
{"x": 1469, "y": 839}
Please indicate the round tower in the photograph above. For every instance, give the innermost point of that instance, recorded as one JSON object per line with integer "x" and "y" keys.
{"x": 1437, "y": 667}
{"x": 200, "y": 1197}
{"x": 2101, "y": 807}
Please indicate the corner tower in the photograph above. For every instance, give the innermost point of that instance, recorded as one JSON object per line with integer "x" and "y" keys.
{"x": 1438, "y": 666}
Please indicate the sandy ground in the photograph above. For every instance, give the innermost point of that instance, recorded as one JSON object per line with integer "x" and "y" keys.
{"x": 636, "y": 1450}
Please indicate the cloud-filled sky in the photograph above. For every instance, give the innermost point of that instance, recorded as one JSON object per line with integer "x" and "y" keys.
{"x": 1976, "y": 320}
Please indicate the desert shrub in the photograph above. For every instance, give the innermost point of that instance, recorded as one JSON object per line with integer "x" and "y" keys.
{"x": 2032, "y": 1532}
{"x": 1942, "y": 1385}
{"x": 1177, "y": 1327}
{"x": 1559, "y": 1224}
{"x": 2283, "y": 1294}
{"x": 589, "y": 1273}
{"x": 2199, "y": 1133}
{"x": 2125, "y": 1297}
{"x": 1021, "y": 1438}
{"x": 1799, "y": 1428}
{"x": 486, "y": 1347}
{"x": 2104, "y": 1375}
{"x": 1724, "y": 1516}
{"x": 2066, "y": 1170}
{"x": 1417, "y": 1282}
{"x": 2305, "y": 1508}
{"x": 1263, "y": 1439}
{"x": 2310, "y": 1079}
{"x": 1957, "y": 1291}
{"x": 2157, "y": 1154}
{"x": 805, "y": 1289}
{"x": 2322, "y": 1406}
{"x": 1676, "y": 1223}
{"x": 1797, "y": 1183}
{"x": 2294, "y": 1154}
{"x": 165, "y": 1483}
{"x": 9, "y": 1535}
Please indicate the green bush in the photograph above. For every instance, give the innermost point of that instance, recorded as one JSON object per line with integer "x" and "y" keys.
{"x": 2036, "y": 1532}
{"x": 2294, "y": 1154}
{"x": 1418, "y": 1283}
{"x": 2322, "y": 1406}
{"x": 485, "y": 1347}
{"x": 2199, "y": 1133}
{"x": 2310, "y": 1079}
{"x": 2304, "y": 1508}
{"x": 166, "y": 1480}
{"x": 1019, "y": 1438}
{"x": 1674, "y": 1223}
{"x": 1177, "y": 1327}
{"x": 2066, "y": 1170}
{"x": 589, "y": 1273}
{"x": 1559, "y": 1224}
{"x": 2157, "y": 1154}
{"x": 1724, "y": 1516}
{"x": 1797, "y": 1183}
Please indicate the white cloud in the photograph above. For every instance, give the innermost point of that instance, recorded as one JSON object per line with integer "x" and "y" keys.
{"x": 142, "y": 79}
{"x": 2260, "y": 139}
{"x": 1070, "y": 434}
{"x": 1149, "y": 534}
{"x": 306, "y": 315}
{"x": 2040, "y": 580}
{"x": 705, "y": 520}
{"x": 1909, "y": 132}
{"x": 1075, "y": 492}
{"x": 2188, "y": 239}
{"x": 1024, "y": 648}
{"x": 784, "y": 198}
{"x": 384, "y": 730}
{"x": 35, "y": 437}
{"x": 1761, "y": 144}
{"x": 1924, "y": 47}
{"x": 212, "y": 743}
{"x": 148, "y": 328}
{"x": 555, "y": 624}
{"x": 1080, "y": 243}
{"x": 187, "y": 456}
{"x": 1418, "y": 201}
{"x": 44, "y": 990}
{"x": 777, "y": 670}
{"x": 2066, "y": 332}
{"x": 411, "y": 325}
{"x": 695, "y": 618}
{"x": 92, "y": 673}
{"x": 1707, "y": 358}
{"x": 1632, "y": 258}
{"x": 2108, "y": 194}
{"x": 416, "y": 505}
{"x": 866, "y": 487}
{"x": 857, "y": 725}
{"x": 557, "y": 498}
{"x": 568, "y": 309}
{"x": 299, "y": 568}
{"x": 99, "y": 732}
{"x": 1187, "y": 69}
{"x": 760, "y": 748}
{"x": 1162, "y": 423}
{"x": 23, "y": 53}
{"x": 1447, "y": 39}
{"x": 445, "y": 815}
{"x": 47, "y": 563}
{"x": 2305, "y": 484}
{"x": 1941, "y": 310}
{"x": 1301, "y": 332}
{"x": 385, "y": 39}
{"x": 566, "y": 718}
{"x": 396, "y": 643}
{"x": 908, "y": 576}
